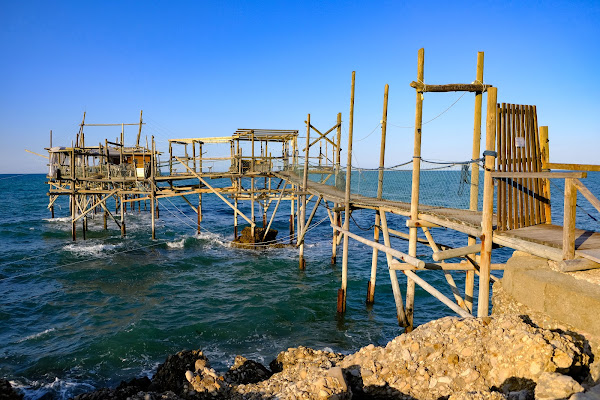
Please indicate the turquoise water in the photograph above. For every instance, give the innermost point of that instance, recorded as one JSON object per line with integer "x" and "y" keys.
{"x": 77, "y": 316}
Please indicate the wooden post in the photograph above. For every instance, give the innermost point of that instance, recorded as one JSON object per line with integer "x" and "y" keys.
{"x": 292, "y": 216}
{"x": 371, "y": 285}
{"x": 153, "y": 189}
{"x": 488, "y": 206}
{"x": 199, "y": 182}
{"x": 336, "y": 159}
{"x": 334, "y": 242}
{"x": 235, "y": 218}
{"x": 301, "y": 226}
{"x": 568, "y": 252}
{"x": 73, "y": 214}
{"x": 342, "y": 291}
{"x": 400, "y": 311}
{"x": 123, "y": 232}
{"x": 414, "y": 198}
{"x": 545, "y": 150}
{"x": 252, "y": 188}
{"x": 474, "y": 195}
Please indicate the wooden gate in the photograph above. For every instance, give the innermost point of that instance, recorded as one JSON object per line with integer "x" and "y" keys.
{"x": 521, "y": 201}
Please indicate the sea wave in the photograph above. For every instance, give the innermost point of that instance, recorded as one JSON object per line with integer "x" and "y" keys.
{"x": 59, "y": 219}
{"x": 86, "y": 249}
{"x": 36, "y": 335}
{"x": 59, "y": 388}
{"x": 179, "y": 244}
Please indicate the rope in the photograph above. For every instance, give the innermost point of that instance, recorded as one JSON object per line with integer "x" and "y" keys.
{"x": 576, "y": 204}
{"x": 78, "y": 262}
{"x": 374, "y": 129}
{"x": 432, "y": 119}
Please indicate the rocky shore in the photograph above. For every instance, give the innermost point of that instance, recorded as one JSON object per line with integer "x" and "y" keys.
{"x": 498, "y": 357}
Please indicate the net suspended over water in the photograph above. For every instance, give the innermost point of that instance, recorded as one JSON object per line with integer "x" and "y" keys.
{"x": 442, "y": 184}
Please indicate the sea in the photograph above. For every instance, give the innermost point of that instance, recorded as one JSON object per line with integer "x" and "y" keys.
{"x": 77, "y": 316}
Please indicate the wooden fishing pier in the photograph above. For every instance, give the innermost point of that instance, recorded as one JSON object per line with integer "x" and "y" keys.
{"x": 263, "y": 168}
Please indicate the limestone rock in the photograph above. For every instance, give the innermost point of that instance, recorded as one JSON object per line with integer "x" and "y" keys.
{"x": 552, "y": 386}
{"x": 246, "y": 371}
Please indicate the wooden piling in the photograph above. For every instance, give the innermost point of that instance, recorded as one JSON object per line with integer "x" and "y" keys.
{"x": 342, "y": 291}
{"x": 301, "y": 225}
{"x": 372, "y": 281}
{"x": 488, "y": 206}
{"x": 414, "y": 198}
{"x": 545, "y": 150}
{"x": 153, "y": 205}
{"x": 474, "y": 193}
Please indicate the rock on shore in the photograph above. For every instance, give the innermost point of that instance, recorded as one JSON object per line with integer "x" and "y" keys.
{"x": 502, "y": 357}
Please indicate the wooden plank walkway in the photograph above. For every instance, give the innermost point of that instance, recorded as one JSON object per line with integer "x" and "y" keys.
{"x": 543, "y": 240}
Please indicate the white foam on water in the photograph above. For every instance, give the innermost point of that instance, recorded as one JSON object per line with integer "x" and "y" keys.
{"x": 177, "y": 244}
{"x": 60, "y": 219}
{"x": 36, "y": 335}
{"x": 62, "y": 388}
{"x": 90, "y": 249}
{"x": 212, "y": 238}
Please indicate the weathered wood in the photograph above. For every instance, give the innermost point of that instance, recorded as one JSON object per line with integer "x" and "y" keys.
{"x": 474, "y": 189}
{"x": 558, "y": 175}
{"x": 574, "y": 167}
{"x": 437, "y": 294}
{"x": 587, "y": 194}
{"x": 372, "y": 280}
{"x": 302, "y": 225}
{"x": 450, "y": 87}
{"x": 251, "y": 222}
{"x": 420, "y": 224}
{"x": 416, "y": 176}
{"x": 460, "y": 252}
{"x": 488, "y": 208}
{"x": 569, "y": 220}
{"x": 400, "y": 310}
{"x": 395, "y": 253}
{"x": 347, "y": 197}
{"x": 578, "y": 264}
{"x": 275, "y": 210}
{"x": 545, "y": 159}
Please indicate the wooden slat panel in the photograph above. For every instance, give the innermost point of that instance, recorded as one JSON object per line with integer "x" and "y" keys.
{"x": 520, "y": 200}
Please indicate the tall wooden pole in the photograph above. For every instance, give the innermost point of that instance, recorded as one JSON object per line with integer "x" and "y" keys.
{"x": 414, "y": 198}
{"x": 371, "y": 286}
{"x": 336, "y": 158}
{"x": 545, "y": 150}
{"x": 301, "y": 226}
{"x": 474, "y": 195}
{"x": 153, "y": 188}
{"x": 341, "y": 306}
{"x": 488, "y": 205}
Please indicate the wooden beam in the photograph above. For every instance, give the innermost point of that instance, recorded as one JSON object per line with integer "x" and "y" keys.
{"x": 452, "y": 253}
{"x": 587, "y": 194}
{"x": 419, "y": 223}
{"x": 559, "y": 175}
{"x": 218, "y": 194}
{"x": 451, "y": 87}
{"x": 574, "y": 167}
{"x": 395, "y": 253}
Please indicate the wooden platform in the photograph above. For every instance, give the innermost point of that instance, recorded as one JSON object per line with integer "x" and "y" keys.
{"x": 543, "y": 240}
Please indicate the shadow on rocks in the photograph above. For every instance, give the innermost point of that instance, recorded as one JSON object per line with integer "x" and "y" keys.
{"x": 246, "y": 371}
{"x": 580, "y": 369}
{"x": 515, "y": 388}
{"x": 362, "y": 392}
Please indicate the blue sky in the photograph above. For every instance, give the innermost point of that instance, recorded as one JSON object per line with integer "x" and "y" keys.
{"x": 207, "y": 68}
